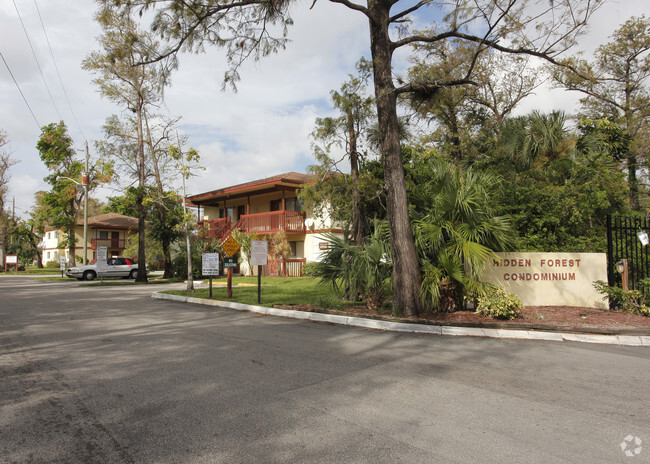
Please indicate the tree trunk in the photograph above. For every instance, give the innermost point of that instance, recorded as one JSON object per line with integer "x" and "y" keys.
{"x": 358, "y": 220}
{"x": 633, "y": 182}
{"x": 142, "y": 259}
{"x": 164, "y": 243}
{"x": 406, "y": 272}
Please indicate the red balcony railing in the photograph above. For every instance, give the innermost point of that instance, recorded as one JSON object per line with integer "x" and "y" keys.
{"x": 272, "y": 222}
{"x": 260, "y": 223}
{"x": 214, "y": 228}
{"x": 113, "y": 243}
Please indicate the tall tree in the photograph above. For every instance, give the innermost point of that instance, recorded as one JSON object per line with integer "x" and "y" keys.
{"x": 347, "y": 132}
{"x": 124, "y": 78}
{"x": 615, "y": 86}
{"x": 121, "y": 143}
{"x": 244, "y": 30}
{"x": 62, "y": 203}
{"x": 64, "y": 198}
{"x": 5, "y": 220}
{"x": 466, "y": 118}
{"x": 187, "y": 163}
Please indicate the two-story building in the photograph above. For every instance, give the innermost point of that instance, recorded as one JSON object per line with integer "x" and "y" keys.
{"x": 264, "y": 207}
{"x": 110, "y": 230}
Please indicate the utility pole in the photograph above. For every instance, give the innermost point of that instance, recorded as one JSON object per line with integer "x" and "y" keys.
{"x": 85, "y": 177}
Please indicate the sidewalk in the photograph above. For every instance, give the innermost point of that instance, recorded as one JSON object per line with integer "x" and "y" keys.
{"x": 622, "y": 340}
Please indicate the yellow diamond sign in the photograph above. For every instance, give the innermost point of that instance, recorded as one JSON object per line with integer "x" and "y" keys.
{"x": 230, "y": 246}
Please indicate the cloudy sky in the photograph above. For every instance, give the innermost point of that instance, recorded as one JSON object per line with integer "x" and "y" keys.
{"x": 261, "y": 130}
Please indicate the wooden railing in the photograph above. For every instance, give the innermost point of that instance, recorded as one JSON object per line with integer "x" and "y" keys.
{"x": 214, "y": 228}
{"x": 290, "y": 267}
{"x": 272, "y": 222}
{"x": 260, "y": 223}
{"x": 113, "y": 243}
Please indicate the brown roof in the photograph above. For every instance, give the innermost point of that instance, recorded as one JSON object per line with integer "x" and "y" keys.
{"x": 287, "y": 178}
{"x": 111, "y": 221}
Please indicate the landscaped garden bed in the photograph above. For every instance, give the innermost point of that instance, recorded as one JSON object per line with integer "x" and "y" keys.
{"x": 307, "y": 294}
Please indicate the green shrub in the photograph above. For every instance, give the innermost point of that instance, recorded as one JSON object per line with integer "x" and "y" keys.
{"x": 308, "y": 269}
{"x": 52, "y": 265}
{"x": 627, "y": 301}
{"x": 497, "y": 303}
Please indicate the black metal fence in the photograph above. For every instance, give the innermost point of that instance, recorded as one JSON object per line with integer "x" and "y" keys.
{"x": 623, "y": 243}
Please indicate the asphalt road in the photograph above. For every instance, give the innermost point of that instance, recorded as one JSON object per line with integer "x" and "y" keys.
{"x": 109, "y": 375}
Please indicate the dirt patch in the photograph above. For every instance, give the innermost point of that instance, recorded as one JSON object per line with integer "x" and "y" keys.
{"x": 549, "y": 318}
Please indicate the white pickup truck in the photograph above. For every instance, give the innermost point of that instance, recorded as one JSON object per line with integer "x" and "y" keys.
{"x": 115, "y": 267}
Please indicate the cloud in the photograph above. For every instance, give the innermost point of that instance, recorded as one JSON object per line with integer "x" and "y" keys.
{"x": 261, "y": 130}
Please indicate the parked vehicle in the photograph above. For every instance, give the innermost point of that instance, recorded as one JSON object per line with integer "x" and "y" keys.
{"x": 115, "y": 267}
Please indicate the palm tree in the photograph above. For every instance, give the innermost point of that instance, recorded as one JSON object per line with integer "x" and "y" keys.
{"x": 456, "y": 232}
{"x": 364, "y": 270}
{"x": 537, "y": 139}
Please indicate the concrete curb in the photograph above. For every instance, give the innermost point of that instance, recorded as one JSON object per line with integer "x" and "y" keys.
{"x": 622, "y": 340}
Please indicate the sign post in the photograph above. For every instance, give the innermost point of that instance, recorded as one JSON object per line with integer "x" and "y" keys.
{"x": 210, "y": 266}
{"x": 102, "y": 261}
{"x": 259, "y": 258}
{"x": 230, "y": 247}
{"x": 62, "y": 264}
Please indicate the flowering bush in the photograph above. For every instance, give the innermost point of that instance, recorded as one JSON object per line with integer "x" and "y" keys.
{"x": 497, "y": 303}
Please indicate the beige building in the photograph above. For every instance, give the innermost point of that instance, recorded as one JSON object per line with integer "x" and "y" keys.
{"x": 110, "y": 230}
{"x": 264, "y": 207}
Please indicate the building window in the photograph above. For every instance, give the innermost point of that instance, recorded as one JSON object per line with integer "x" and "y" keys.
{"x": 48, "y": 237}
{"x": 228, "y": 212}
{"x": 293, "y": 253}
{"x": 56, "y": 234}
{"x": 103, "y": 234}
{"x": 293, "y": 204}
{"x": 48, "y": 254}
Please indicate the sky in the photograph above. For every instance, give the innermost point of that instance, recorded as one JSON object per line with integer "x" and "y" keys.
{"x": 261, "y": 130}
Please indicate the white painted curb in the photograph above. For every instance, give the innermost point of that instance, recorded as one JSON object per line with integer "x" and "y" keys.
{"x": 624, "y": 340}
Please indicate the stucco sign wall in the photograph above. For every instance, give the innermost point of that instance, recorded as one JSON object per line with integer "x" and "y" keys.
{"x": 550, "y": 279}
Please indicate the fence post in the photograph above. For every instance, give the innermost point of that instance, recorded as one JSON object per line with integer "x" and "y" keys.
{"x": 610, "y": 252}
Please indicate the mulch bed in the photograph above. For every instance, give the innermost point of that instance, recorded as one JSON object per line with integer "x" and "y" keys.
{"x": 547, "y": 318}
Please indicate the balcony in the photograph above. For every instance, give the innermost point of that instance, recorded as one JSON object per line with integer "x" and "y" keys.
{"x": 261, "y": 223}
{"x": 112, "y": 243}
{"x": 272, "y": 222}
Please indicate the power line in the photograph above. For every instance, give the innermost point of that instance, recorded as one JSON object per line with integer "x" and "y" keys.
{"x": 21, "y": 92}
{"x": 36, "y": 59}
{"x": 58, "y": 73}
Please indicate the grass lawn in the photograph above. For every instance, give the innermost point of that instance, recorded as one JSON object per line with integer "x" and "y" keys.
{"x": 275, "y": 290}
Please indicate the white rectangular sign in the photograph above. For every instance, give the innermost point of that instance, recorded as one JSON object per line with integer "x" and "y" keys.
{"x": 550, "y": 279}
{"x": 210, "y": 264}
{"x": 62, "y": 263}
{"x": 259, "y": 252}
{"x": 11, "y": 259}
{"x": 102, "y": 258}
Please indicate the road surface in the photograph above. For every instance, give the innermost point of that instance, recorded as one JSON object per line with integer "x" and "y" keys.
{"x": 108, "y": 375}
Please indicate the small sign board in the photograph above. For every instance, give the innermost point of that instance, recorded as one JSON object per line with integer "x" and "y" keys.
{"x": 259, "y": 252}
{"x": 62, "y": 263}
{"x": 102, "y": 258}
{"x": 230, "y": 246}
{"x": 11, "y": 260}
{"x": 229, "y": 263}
{"x": 210, "y": 264}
